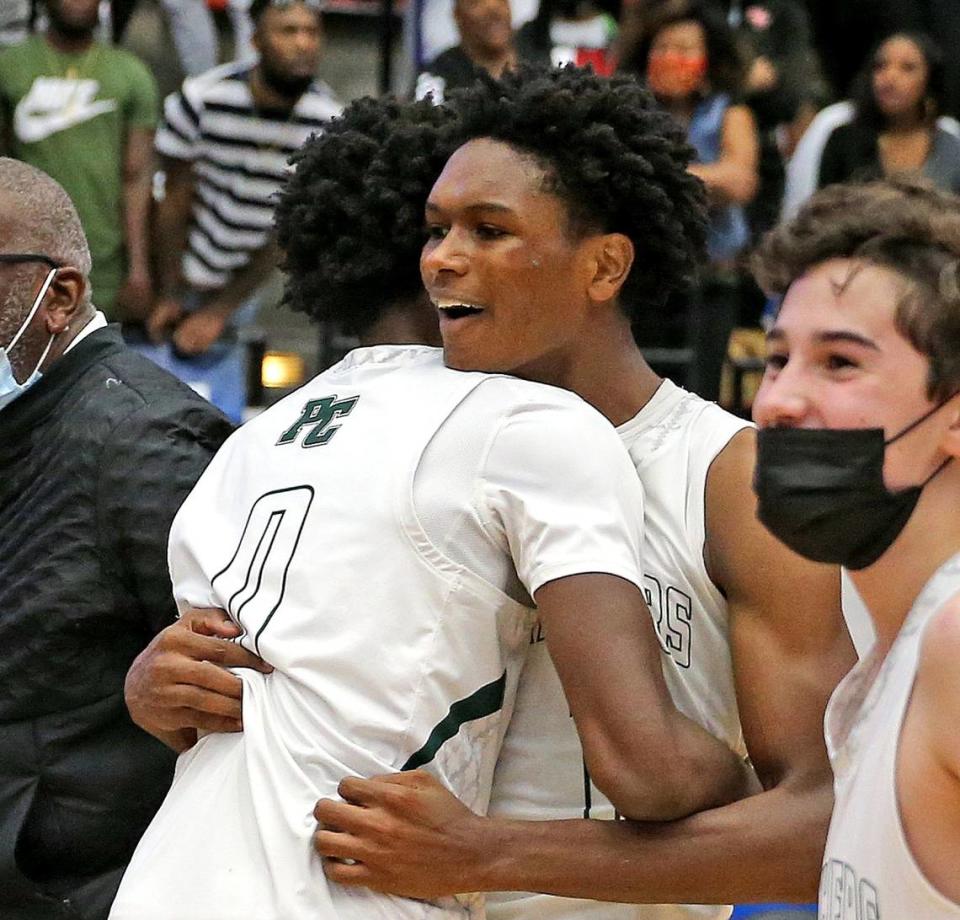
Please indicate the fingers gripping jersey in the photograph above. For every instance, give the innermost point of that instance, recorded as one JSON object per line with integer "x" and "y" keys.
{"x": 388, "y": 655}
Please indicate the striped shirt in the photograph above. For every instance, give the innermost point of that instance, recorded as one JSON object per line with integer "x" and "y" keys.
{"x": 239, "y": 156}
{"x": 14, "y": 21}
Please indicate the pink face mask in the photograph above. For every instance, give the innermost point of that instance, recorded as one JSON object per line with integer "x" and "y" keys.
{"x": 674, "y": 75}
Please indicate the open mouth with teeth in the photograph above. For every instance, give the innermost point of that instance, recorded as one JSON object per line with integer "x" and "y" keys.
{"x": 460, "y": 311}
{"x": 454, "y": 309}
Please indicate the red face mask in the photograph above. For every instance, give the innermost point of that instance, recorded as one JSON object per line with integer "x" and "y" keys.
{"x": 674, "y": 75}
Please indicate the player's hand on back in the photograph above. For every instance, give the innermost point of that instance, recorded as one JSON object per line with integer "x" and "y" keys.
{"x": 402, "y": 834}
{"x": 179, "y": 683}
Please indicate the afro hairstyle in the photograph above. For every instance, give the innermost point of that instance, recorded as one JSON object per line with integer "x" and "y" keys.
{"x": 612, "y": 155}
{"x": 350, "y": 217}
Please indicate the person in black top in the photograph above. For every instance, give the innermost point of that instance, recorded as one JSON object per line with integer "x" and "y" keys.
{"x": 486, "y": 43}
{"x": 98, "y": 448}
{"x": 895, "y": 130}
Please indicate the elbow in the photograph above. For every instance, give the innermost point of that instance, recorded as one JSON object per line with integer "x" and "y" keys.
{"x": 644, "y": 785}
{"x": 742, "y": 187}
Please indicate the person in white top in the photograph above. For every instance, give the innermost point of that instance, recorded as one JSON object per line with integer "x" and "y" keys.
{"x": 381, "y": 537}
{"x": 542, "y": 154}
{"x": 706, "y": 557}
{"x": 859, "y": 411}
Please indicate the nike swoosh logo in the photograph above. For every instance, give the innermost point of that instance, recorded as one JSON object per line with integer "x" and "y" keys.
{"x": 31, "y": 127}
{"x": 55, "y": 104}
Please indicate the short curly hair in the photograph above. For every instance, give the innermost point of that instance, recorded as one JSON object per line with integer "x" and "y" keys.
{"x": 350, "y": 217}
{"x": 612, "y": 155}
{"x": 903, "y": 225}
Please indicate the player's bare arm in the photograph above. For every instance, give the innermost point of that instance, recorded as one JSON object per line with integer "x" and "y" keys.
{"x": 420, "y": 841}
{"x": 179, "y": 682}
{"x": 928, "y": 763}
{"x": 651, "y": 761}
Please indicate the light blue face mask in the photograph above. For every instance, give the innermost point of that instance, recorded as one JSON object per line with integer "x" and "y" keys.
{"x": 10, "y": 389}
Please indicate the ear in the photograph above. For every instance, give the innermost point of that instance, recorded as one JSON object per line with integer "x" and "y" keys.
{"x": 613, "y": 255}
{"x": 950, "y": 441}
{"x": 64, "y": 298}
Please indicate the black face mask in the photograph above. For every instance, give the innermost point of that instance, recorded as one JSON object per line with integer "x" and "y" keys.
{"x": 821, "y": 492}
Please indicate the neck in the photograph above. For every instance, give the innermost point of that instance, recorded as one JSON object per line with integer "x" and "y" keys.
{"x": 605, "y": 368}
{"x": 413, "y": 323}
{"x": 493, "y": 61}
{"x": 68, "y": 43}
{"x": 905, "y": 124}
{"x": 266, "y": 98}
{"x": 890, "y": 586}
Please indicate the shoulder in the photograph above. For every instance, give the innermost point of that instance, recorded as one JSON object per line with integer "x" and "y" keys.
{"x": 544, "y": 433}
{"x": 738, "y": 116}
{"x": 145, "y": 398}
{"x": 940, "y": 649}
{"x": 730, "y": 501}
{"x": 29, "y": 47}
{"x": 541, "y": 404}
{"x": 937, "y": 689}
{"x": 946, "y": 141}
{"x": 850, "y": 135}
{"x": 119, "y": 59}
{"x": 226, "y": 80}
{"x": 319, "y": 102}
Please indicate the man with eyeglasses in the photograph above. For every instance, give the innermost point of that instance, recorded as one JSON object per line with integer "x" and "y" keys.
{"x": 98, "y": 447}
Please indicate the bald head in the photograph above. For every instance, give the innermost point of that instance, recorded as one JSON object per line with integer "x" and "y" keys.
{"x": 37, "y": 215}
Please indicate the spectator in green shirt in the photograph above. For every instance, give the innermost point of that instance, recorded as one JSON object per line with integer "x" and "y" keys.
{"x": 84, "y": 112}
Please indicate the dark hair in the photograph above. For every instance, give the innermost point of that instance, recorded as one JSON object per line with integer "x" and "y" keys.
{"x": 725, "y": 64}
{"x": 350, "y": 218}
{"x": 868, "y": 112}
{"x": 906, "y": 226}
{"x": 611, "y": 154}
{"x": 259, "y": 7}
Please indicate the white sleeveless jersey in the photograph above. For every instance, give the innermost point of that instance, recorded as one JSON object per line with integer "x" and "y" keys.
{"x": 388, "y": 654}
{"x": 540, "y": 775}
{"x": 869, "y": 872}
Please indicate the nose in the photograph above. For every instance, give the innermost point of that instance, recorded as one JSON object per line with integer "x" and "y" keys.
{"x": 444, "y": 257}
{"x": 779, "y": 402}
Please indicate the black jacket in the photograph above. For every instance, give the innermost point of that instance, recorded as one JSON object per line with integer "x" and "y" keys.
{"x": 95, "y": 460}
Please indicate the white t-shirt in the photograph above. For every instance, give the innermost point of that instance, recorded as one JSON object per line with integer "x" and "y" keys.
{"x": 323, "y": 526}
{"x": 673, "y": 441}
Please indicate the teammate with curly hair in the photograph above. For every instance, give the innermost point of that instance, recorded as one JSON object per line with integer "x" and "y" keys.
{"x": 385, "y": 538}
{"x": 350, "y": 221}
{"x": 565, "y": 212}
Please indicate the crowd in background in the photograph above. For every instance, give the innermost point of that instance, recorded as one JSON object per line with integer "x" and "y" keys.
{"x": 779, "y": 97}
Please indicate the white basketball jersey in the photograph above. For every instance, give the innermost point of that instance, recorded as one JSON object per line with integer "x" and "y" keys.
{"x": 540, "y": 775}
{"x": 388, "y": 655}
{"x": 869, "y": 872}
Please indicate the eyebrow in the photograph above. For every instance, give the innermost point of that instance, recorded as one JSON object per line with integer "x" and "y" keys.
{"x": 839, "y": 336}
{"x": 474, "y": 208}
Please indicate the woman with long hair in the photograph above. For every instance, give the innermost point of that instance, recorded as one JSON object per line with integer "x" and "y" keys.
{"x": 895, "y": 130}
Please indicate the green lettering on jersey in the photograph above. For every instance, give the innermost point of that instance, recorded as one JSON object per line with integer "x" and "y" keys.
{"x": 318, "y": 414}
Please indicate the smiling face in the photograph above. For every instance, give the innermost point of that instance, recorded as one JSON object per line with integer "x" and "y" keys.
{"x": 516, "y": 287}
{"x": 900, "y": 75}
{"x": 836, "y": 360}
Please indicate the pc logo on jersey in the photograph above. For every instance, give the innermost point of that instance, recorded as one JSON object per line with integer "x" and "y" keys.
{"x": 318, "y": 415}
